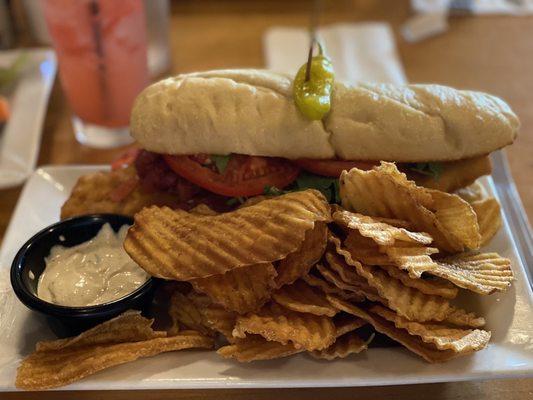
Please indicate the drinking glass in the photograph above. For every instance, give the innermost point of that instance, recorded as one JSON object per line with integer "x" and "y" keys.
{"x": 102, "y": 55}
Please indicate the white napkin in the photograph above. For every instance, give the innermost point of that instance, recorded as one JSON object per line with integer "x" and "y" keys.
{"x": 360, "y": 52}
{"x": 511, "y": 7}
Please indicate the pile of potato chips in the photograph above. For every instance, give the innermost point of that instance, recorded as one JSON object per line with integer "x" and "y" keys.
{"x": 293, "y": 274}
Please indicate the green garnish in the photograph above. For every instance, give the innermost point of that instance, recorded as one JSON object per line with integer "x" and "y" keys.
{"x": 221, "y": 162}
{"x": 432, "y": 169}
{"x": 274, "y": 191}
{"x": 235, "y": 200}
{"x": 329, "y": 187}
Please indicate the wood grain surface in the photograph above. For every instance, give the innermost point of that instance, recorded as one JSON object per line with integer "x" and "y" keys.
{"x": 492, "y": 54}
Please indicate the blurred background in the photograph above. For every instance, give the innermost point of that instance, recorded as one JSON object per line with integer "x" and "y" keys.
{"x": 480, "y": 45}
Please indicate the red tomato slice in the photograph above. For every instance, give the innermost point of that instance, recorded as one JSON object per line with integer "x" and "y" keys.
{"x": 332, "y": 168}
{"x": 126, "y": 158}
{"x": 244, "y": 175}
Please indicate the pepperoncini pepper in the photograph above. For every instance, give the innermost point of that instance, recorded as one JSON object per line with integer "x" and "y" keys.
{"x": 313, "y": 95}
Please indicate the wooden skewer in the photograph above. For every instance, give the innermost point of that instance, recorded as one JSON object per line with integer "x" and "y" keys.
{"x": 313, "y": 23}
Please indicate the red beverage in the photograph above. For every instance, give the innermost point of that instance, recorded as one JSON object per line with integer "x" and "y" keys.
{"x": 101, "y": 50}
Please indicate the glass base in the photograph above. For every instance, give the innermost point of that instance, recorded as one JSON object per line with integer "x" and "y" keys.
{"x": 99, "y": 136}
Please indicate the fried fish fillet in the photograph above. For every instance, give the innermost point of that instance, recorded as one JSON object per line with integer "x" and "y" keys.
{"x": 455, "y": 174}
{"x": 116, "y": 192}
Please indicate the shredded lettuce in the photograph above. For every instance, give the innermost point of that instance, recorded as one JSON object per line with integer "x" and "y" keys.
{"x": 433, "y": 169}
{"x": 328, "y": 186}
{"x": 221, "y": 162}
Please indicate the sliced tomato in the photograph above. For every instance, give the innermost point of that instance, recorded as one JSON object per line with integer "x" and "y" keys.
{"x": 243, "y": 176}
{"x": 332, "y": 168}
{"x": 126, "y": 158}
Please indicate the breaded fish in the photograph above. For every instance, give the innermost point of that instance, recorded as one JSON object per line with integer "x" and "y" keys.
{"x": 116, "y": 192}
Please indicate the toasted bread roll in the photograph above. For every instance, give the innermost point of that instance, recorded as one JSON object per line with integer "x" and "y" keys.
{"x": 253, "y": 112}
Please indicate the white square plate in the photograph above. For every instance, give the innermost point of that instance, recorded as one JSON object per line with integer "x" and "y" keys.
{"x": 510, "y": 353}
{"x": 21, "y": 136}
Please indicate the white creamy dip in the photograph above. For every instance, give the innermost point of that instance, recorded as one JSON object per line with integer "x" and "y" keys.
{"x": 94, "y": 272}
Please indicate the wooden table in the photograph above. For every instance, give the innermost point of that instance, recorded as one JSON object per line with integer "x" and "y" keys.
{"x": 493, "y": 54}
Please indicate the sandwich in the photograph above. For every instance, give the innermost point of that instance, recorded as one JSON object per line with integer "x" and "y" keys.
{"x": 224, "y": 137}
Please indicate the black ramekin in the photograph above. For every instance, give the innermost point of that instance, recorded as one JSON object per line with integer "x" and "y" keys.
{"x": 29, "y": 263}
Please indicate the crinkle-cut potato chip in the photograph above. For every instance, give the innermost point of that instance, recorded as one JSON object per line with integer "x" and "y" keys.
{"x": 327, "y": 287}
{"x": 489, "y": 218}
{"x": 427, "y": 351}
{"x": 460, "y": 317}
{"x": 276, "y": 323}
{"x": 257, "y": 348}
{"x": 457, "y": 218}
{"x": 414, "y": 259}
{"x": 385, "y": 192}
{"x": 365, "y": 250}
{"x": 184, "y": 312}
{"x": 435, "y": 286}
{"x": 483, "y": 273}
{"x": 242, "y": 289}
{"x": 381, "y": 233}
{"x": 348, "y": 344}
{"x": 298, "y": 264}
{"x": 203, "y": 209}
{"x": 347, "y": 272}
{"x": 472, "y": 193}
{"x": 214, "y": 316}
{"x": 176, "y": 245}
{"x": 360, "y": 290}
{"x": 442, "y": 336}
{"x": 398, "y": 223}
{"x": 406, "y": 301}
{"x": 345, "y": 323}
{"x": 129, "y": 326}
{"x": 196, "y": 311}
{"x": 339, "y": 269}
{"x": 54, "y": 365}
{"x": 302, "y": 297}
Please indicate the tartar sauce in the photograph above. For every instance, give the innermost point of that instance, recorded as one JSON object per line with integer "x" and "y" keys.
{"x": 94, "y": 272}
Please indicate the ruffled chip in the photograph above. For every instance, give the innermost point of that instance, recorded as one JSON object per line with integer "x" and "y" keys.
{"x": 196, "y": 311}
{"x": 350, "y": 343}
{"x": 174, "y": 244}
{"x": 59, "y": 363}
{"x": 345, "y": 323}
{"x": 302, "y": 297}
{"x": 256, "y": 348}
{"x": 326, "y": 286}
{"x": 406, "y": 301}
{"x": 381, "y": 233}
{"x": 489, "y": 218}
{"x": 365, "y": 250}
{"x": 361, "y": 290}
{"x": 298, "y": 264}
{"x": 385, "y": 192}
{"x": 431, "y": 286}
{"x": 414, "y": 259}
{"x": 278, "y": 324}
{"x": 443, "y": 337}
{"x": 427, "y": 351}
{"x": 241, "y": 290}
{"x": 483, "y": 273}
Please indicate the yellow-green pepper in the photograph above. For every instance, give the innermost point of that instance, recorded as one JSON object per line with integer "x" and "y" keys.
{"x": 313, "y": 97}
